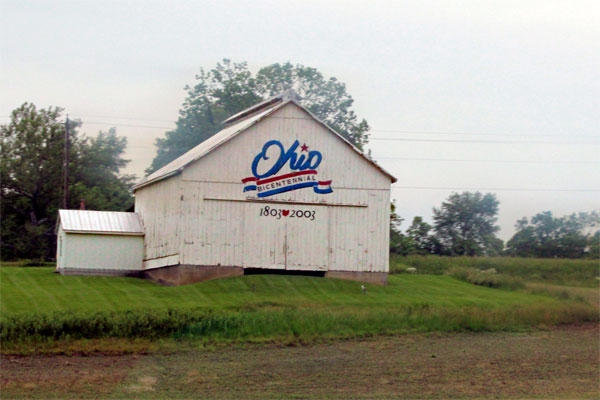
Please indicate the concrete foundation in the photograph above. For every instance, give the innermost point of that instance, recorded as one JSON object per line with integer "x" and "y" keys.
{"x": 186, "y": 274}
{"x": 100, "y": 272}
{"x": 377, "y": 278}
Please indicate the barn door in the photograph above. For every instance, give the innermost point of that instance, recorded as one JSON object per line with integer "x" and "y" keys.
{"x": 307, "y": 238}
{"x": 264, "y": 237}
{"x": 284, "y": 236}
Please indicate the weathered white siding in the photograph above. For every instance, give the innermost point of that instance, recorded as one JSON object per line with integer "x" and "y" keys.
{"x": 221, "y": 235}
{"x": 219, "y": 224}
{"x": 101, "y": 252}
{"x": 159, "y": 207}
{"x": 345, "y": 167}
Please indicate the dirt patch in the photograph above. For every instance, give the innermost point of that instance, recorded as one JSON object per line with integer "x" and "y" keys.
{"x": 144, "y": 384}
{"x": 62, "y": 376}
{"x": 563, "y": 362}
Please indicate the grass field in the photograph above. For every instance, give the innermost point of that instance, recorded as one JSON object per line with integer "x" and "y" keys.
{"x": 273, "y": 336}
{"x": 40, "y": 290}
{"x": 37, "y": 304}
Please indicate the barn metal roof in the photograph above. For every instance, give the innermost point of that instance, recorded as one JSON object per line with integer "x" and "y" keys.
{"x": 101, "y": 222}
{"x": 203, "y": 148}
{"x": 229, "y": 132}
{"x": 289, "y": 94}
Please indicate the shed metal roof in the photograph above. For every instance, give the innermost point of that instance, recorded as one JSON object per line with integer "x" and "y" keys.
{"x": 101, "y": 222}
{"x": 229, "y": 132}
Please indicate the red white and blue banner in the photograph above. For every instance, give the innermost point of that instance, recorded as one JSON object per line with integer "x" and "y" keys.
{"x": 305, "y": 165}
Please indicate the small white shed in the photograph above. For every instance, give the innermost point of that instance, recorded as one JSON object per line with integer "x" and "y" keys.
{"x": 99, "y": 243}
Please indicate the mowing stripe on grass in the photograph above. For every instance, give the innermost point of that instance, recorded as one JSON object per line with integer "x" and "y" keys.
{"x": 264, "y": 307}
{"x": 18, "y": 280}
{"x": 111, "y": 293}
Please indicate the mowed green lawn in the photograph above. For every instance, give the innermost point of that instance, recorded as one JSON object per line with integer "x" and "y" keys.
{"x": 38, "y": 289}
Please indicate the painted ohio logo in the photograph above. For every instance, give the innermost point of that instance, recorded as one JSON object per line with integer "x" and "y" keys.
{"x": 305, "y": 167}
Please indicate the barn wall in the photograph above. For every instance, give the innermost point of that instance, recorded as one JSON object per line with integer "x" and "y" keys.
{"x": 219, "y": 227}
{"x": 101, "y": 252}
{"x": 159, "y": 207}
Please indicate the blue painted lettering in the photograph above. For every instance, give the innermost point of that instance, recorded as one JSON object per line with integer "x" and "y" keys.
{"x": 296, "y": 163}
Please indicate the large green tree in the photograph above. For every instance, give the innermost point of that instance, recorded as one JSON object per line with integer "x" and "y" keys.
{"x": 523, "y": 243}
{"x": 400, "y": 243}
{"x": 96, "y": 172}
{"x": 230, "y": 87}
{"x": 31, "y": 176}
{"x": 465, "y": 224}
{"x": 549, "y": 236}
{"x": 594, "y": 245}
{"x": 422, "y": 236}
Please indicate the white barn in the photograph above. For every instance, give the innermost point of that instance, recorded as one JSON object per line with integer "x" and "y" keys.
{"x": 275, "y": 189}
{"x": 99, "y": 243}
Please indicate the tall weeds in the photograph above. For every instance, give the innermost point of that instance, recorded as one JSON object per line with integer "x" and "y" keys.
{"x": 558, "y": 271}
{"x": 486, "y": 278}
{"x": 269, "y": 324}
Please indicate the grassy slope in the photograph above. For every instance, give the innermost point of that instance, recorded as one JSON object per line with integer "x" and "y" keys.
{"x": 37, "y": 304}
{"x": 582, "y": 272}
{"x": 40, "y": 290}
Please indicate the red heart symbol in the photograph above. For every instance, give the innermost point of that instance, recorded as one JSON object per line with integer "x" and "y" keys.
{"x": 285, "y": 212}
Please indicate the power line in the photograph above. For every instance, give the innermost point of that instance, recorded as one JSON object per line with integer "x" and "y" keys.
{"x": 449, "y": 159}
{"x": 458, "y": 133}
{"x": 490, "y": 161}
{"x": 387, "y": 138}
{"x": 128, "y": 118}
{"x": 495, "y": 189}
{"x": 479, "y": 134}
{"x": 113, "y": 116}
{"x": 116, "y": 123}
{"x": 480, "y": 141}
{"x": 373, "y": 138}
{"x": 66, "y": 166}
{"x": 407, "y": 140}
{"x": 420, "y": 132}
{"x": 126, "y": 125}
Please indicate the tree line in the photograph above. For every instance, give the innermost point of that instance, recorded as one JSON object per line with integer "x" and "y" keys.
{"x": 465, "y": 225}
{"x": 32, "y": 170}
{"x": 31, "y": 178}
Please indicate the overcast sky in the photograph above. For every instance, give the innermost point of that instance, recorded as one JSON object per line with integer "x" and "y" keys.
{"x": 499, "y": 71}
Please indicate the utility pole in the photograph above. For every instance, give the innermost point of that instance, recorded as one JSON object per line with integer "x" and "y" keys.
{"x": 66, "y": 165}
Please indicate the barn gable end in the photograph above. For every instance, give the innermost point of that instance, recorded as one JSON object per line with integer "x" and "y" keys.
{"x": 228, "y": 204}
{"x": 290, "y": 122}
